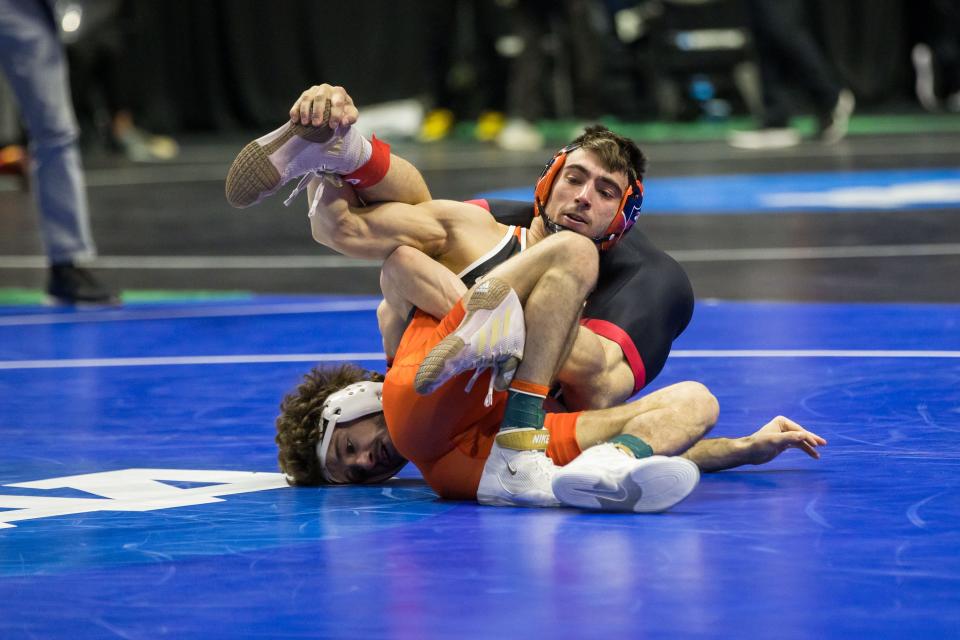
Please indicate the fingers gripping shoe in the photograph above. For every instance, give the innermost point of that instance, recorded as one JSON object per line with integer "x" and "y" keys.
{"x": 518, "y": 472}
{"x": 491, "y": 335}
{"x": 293, "y": 150}
{"x": 605, "y": 478}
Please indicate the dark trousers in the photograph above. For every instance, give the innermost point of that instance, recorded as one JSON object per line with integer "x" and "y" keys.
{"x": 789, "y": 58}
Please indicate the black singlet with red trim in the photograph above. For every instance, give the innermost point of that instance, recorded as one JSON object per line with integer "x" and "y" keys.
{"x": 643, "y": 300}
{"x": 513, "y": 242}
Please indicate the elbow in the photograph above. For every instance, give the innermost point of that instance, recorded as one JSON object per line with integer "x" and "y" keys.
{"x": 325, "y": 233}
{"x": 335, "y": 226}
{"x": 337, "y": 237}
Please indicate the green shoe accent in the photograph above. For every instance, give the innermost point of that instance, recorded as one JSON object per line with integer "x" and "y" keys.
{"x": 560, "y": 131}
{"x": 524, "y": 411}
{"x": 15, "y": 296}
{"x": 632, "y": 445}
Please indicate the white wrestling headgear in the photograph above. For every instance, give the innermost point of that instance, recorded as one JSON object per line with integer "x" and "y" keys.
{"x": 353, "y": 401}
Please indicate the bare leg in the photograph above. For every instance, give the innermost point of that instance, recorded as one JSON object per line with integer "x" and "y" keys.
{"x": 666, "y": 422}
{"x": 552, "y": 280}
{"x": 264, "y": 165}
{"x": 670, "y": 420}
{"x": 403, "y": 183}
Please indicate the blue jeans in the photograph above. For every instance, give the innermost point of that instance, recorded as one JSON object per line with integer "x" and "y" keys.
{"x": 35, "y": 65}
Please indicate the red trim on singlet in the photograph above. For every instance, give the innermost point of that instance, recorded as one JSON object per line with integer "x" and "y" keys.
{"x": 611, "y": 331}
{"x": 480, "y": 203}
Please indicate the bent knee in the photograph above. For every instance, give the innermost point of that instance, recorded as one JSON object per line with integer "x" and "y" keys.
{"x": 703, "y": 406}
{"x": 578, "y": 247}
{"x": 396, "y": 263}
{"x": 401, "y": 256}
{"x": 579, "y": 257}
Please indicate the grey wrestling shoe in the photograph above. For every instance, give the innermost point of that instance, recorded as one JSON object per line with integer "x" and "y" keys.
{"x": 289, "y": 152}
{"x": 490, "y": 336}
{"x": 269, "y": 162}
{"x": 833, "y": 126}
{"x": 604, "y": 478}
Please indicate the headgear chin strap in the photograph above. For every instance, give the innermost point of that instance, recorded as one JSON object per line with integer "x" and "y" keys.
{"x": 627, "y": 213}
{"x": 353, "y": 401}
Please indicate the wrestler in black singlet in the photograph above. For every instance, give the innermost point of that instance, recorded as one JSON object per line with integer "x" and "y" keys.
{"x": 643, "y": 300}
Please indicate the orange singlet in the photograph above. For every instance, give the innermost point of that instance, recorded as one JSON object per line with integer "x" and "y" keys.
{"x": 449, "y": 433}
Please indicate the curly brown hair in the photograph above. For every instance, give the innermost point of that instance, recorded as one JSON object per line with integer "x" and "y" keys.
{"x": 616, "y": 153}
{"x": 299, "y": 427}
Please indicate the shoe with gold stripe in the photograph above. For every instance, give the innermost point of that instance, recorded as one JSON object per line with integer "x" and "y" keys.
{"x": 518, "y": 472}
{"x": 490, "y": 336}
{"x": 606, "y": 477}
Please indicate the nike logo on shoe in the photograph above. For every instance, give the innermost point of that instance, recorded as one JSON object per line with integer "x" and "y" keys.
{"x": 624, "y": 497}
{"x": 620, "y": 494}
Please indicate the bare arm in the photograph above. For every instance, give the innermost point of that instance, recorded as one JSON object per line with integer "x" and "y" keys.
{"x": 775, "y": 437}
{"x": 374, "y": 231}
{"x": 409, "y": 279}
{"x": 341, "y": 222}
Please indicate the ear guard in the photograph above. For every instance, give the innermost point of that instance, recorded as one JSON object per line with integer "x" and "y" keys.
{"x": 626, "y": 216}
{"x": 353, "y": 401}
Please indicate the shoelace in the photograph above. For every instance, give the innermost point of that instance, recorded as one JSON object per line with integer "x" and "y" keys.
{"x": 495, "y": 371}
{"x": 332, "y": 178}
{"x": 304, "y": 181}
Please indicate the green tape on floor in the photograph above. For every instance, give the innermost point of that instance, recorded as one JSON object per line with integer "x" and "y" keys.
{"x": 559, "y": 131}
{"x": 17, "y": 296}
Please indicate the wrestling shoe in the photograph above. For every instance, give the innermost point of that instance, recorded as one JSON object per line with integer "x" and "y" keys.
{"x": 518, "y": 472}
{"x": 490, "y": 336}
{"x": 605, "y": 478}
{"x": 763, "y": 139}
{"x": 292, "y": 151}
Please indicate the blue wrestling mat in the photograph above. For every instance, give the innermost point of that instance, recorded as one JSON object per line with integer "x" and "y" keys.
{"x": 793, "y": 192}
{"x": 140, "y": 496}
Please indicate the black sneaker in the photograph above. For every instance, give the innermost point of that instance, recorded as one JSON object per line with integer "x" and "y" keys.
{"x": 72, "y": 285}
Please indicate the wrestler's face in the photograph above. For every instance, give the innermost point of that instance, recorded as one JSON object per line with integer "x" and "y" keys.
{"x": 585, "y": 196}
{"x": 361, "y": 452}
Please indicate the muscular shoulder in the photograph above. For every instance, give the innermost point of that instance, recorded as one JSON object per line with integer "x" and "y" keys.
{"x": 470, "y": 231}
{"x": 456, "y": 215}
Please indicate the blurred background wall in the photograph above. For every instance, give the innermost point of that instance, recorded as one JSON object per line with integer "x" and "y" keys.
{"x": 221, "y": 64}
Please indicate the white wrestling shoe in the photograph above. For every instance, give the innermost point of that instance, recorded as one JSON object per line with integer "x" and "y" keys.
{"x": 518, "y": 472}
{"x": 605, "y": 478}
{"x": 491, "y": 335}
{"x": 293, "y": 150}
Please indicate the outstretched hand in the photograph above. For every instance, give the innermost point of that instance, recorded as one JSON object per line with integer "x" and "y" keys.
{"x": 324, "y": 104}
{"x": 777, "y": 436}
